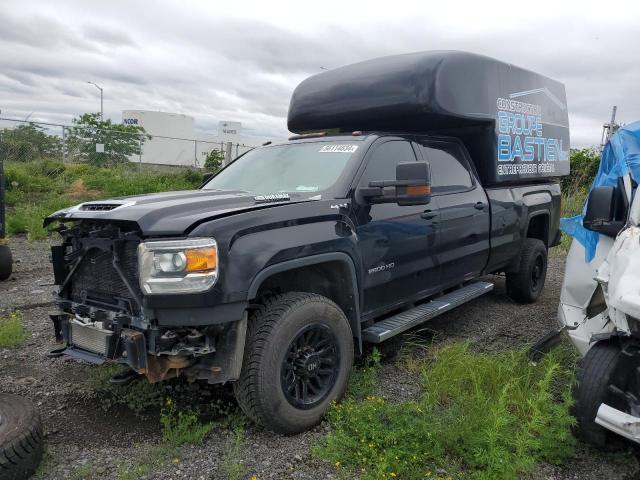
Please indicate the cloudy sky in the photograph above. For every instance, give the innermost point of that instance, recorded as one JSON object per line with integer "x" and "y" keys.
{"x": 237, "y": 60}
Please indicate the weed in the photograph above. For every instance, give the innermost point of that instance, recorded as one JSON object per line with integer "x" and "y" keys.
{"x": 182, "y": 427}
{"x": 363, "y": 379}
{"x": 155, "y": 456}
{"x": 232, "y": 459}
{"x": 12, "y": 333}
{"x": 481, "y": 416}
{"x": 88, "y": 471}
{"x": 138, "y": 396}
{"x": 133, "y": 472}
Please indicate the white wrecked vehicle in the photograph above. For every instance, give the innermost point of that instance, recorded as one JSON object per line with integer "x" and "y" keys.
{"x": 600, "y": 300}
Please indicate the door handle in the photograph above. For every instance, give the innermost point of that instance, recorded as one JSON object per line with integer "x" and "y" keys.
{"x": 428, "y": 214}
{"x": 480, "y": 205}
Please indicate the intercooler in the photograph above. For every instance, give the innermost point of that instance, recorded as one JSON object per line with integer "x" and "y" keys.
{"x": 91, "y": 338}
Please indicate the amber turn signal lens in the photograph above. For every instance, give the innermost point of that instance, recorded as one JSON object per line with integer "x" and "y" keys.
{"x": 201, "y": 259}
{"x": 418, "y": 191}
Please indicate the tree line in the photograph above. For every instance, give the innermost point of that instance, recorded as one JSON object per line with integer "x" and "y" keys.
{"x": 90, "y": 139}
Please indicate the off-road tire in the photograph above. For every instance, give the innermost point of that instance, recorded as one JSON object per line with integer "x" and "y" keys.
{"x": 270, "y": 332}
{"x": 594, "y": 375}
{"x": 21, "y": 440}
{"x": 6, "y": 262}
{"x": 525, "y": 285}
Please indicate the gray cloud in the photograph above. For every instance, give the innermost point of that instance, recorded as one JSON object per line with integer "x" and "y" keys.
{"x": 108, "y": 36}
{"x": 222, "y": 65}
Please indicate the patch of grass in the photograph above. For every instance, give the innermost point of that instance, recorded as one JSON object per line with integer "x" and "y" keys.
{"x": 182, "y": 427}
{"x": 178, "y": 428}
{"x": 38, "y": 188}
{"x": 12, "y": 333}
{"x": 153, "y": 457}
{"x": 231, "y": 461}
{"x": 480, "y": 416}
{"x": 88, "y": 471}
{"x": 138, "y": 396}
{"x": 363, "y": 379}
{"x": 133, "y": 472}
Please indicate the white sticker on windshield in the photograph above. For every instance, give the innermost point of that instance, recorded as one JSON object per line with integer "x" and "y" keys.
{"x": 339, "y": 149}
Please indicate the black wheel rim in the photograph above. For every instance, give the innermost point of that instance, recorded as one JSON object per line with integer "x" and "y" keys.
{"x": 537, "y": 273}
{"x": 310, "y": 366}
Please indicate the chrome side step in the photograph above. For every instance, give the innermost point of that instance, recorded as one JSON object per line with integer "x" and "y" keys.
{"x": 389, "y": 327}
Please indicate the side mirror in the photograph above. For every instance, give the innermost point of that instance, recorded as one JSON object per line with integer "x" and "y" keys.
{"x": 412, "y": 186}
{"x": 602, "y": 214}
{"x": 413, "y": 183}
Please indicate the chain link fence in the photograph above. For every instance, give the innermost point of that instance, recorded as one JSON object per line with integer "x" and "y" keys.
{"x": 22, "y": 141}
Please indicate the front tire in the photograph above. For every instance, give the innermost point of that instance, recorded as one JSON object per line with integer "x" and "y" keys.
{"x": 525, "y": 285}
{"x": 297, "y": 360}
{"x": 594, "y": 377}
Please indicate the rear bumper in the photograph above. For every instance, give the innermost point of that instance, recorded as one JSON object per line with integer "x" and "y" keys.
{"x": 619, "y": 422}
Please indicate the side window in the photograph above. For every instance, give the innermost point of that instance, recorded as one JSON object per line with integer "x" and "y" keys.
{"x": 382, "y": 162}
{"x": 449, "y": 169}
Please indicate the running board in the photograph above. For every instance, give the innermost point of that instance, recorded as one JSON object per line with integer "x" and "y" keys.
{"x": 401, "y": 322}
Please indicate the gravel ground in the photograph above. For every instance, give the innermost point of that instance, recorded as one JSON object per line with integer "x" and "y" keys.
{"x": 84, "y": 441}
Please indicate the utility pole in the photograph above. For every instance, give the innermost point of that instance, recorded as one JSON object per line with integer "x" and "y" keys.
{"x": 101, "y": 101}
{"x": 608, "y": 129}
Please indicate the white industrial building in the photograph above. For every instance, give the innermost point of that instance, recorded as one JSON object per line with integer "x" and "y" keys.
{"x": 174, "y": 140}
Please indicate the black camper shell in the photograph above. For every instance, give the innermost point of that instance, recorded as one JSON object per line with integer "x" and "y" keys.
{"x": 513, "y": 122}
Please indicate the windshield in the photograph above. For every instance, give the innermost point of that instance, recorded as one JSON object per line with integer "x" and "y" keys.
{"x": 302, "y": 167}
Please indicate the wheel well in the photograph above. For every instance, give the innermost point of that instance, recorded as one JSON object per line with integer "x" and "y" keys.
{"x": 330, "y": 279}
{"x": 539, "y": 228}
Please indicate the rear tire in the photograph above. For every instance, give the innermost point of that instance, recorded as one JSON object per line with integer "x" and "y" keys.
{"x": 297, "y": 359}
{"x": 525, "y": 285}
{"x": 594, "y": 377}
{"x": 6, "y": 262}
{"x": 21, "y": 440}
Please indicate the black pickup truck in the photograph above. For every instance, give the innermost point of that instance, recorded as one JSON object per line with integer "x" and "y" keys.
{"x": 424, "y": 172}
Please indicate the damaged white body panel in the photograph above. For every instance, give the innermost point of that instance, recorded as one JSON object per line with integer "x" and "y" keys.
{"x": 600, "y": 300}
{"x": 578, "y": 288}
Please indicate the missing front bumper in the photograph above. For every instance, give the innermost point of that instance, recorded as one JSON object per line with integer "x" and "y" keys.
{"x": 145, "y": 351}
{"x": 94, "y": 343}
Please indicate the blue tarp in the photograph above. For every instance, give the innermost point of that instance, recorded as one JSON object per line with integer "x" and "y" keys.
{"x": 621, "y": 155}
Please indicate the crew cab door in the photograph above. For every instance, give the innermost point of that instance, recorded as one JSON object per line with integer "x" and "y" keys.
{"x": 396, "y": 242}
{"x": 463, "y": 244}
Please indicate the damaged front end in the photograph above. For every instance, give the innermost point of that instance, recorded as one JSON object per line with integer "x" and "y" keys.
{"x": 104, "y": 315}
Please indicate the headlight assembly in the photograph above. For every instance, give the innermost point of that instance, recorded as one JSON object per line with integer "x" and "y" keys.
{"x": 178, "y": 266}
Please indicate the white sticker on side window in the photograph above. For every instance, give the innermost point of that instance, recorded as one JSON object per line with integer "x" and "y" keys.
{"x": 338, "y": 149}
